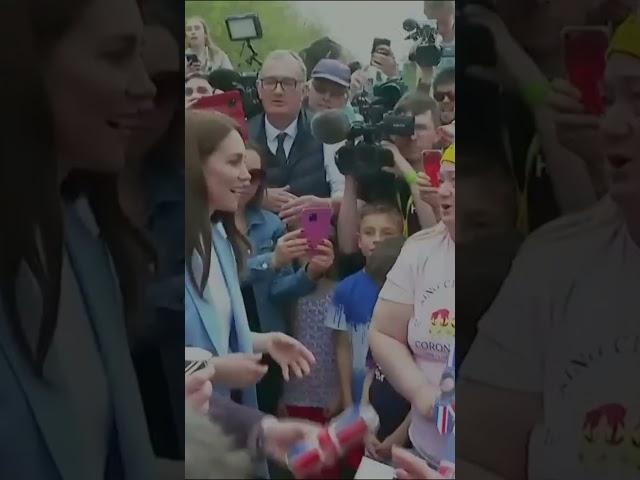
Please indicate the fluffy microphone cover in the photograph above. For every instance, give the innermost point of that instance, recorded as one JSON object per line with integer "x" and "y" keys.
{"x": 210, "y": 453}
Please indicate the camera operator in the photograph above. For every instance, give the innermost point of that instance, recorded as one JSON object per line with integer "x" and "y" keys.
{"x": 295, "y": 164}
{"x": 443, "y": 12}
{"x": 444, "y": 92}
{"x": 407, "y": 158}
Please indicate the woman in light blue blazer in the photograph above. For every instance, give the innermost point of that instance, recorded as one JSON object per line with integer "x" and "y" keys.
{"x": 215, "y": 316}
{"x": 71, "y": 264}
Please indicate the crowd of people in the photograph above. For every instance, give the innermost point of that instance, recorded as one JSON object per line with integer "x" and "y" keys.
{"x": 127, "y": 218}
{"x": 370, "y": 315}
{"x": 353, "y": 320}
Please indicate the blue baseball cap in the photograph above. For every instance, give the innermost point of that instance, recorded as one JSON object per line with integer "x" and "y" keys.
{"x": 332, "y": 70}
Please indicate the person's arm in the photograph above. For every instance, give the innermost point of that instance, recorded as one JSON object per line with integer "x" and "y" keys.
{"x": 368, "y": 380}
{"x": 504, "y": 370}
{"x": 334, "y": 177}
{"x": 569, "y": 174}
{"x": 400, "y": 436}
{"x": 236, "y": 420}
{"x": 388, "y": 332}
{"x": 344, "y": 364}
{"x": 426, "y": 214}
{"x": 388, "y": 342}
{"x": 348, "y": 218}
{"x": 290, "y": 284}
{"x": 336, "y": 320}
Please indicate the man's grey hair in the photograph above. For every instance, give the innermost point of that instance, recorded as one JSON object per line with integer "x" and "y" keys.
{"x": 210, "y": 453}
{"x": 285, "y": 54}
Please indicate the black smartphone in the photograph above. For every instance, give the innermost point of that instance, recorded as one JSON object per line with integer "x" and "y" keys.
{"x": 192, "y": 58}
{"x": 377, "y": 42}
{"x": 266, "y": 359}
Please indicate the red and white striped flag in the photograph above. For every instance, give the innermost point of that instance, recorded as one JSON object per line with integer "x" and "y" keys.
{"x": 445, "y": 418}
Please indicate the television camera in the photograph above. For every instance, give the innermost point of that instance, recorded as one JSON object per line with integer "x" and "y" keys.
{"x": 428, "y": 51}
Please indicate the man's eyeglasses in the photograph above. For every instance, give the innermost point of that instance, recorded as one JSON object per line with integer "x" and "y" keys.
{"x": 440, "y": 96}
{"x": 200, "y": 90}
{"x": 257, "y": 176}
{"x": 287, "y": 84}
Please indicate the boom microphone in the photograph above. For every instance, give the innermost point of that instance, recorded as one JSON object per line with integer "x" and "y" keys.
{"x": 331, "y": 126}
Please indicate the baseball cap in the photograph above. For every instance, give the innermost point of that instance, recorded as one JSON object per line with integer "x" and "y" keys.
{"x": 332, "y": 70}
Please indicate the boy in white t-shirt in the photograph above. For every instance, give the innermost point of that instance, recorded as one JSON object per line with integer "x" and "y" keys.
{"x": 553, "y": 373}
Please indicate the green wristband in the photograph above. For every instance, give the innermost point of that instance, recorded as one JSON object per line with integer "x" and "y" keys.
{"x": 536, "y": 94}
{"x": 411, "y": 178}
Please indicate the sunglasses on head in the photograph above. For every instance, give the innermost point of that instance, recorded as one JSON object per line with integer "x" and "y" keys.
{"x": 440, "y": 96}
{"x": 167, "y": 86}
{"x": 257, "y": 175}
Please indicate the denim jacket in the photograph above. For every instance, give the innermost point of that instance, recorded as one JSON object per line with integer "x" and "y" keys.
{"x": 273, "y": 290}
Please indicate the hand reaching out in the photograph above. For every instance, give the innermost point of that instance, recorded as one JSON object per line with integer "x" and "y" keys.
{"x": 198, "y": 388}
{"x": 292, "y": 209}
{"x": 410, "y": 467}
{"x": 276, "y": 198}
{"x": 239, "y": 370}
{"x": 290, "y": 354}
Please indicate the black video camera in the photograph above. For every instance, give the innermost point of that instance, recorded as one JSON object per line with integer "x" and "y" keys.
{"x": 427, "y": 53}
{"x": 363, "y": 156}
{"x": 251, "y": 103}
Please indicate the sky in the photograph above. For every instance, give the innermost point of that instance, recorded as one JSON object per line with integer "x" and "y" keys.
{"x": 373, "y": 19}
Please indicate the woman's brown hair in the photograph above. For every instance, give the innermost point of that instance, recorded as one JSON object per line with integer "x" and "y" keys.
{"x": 204, "y": 132}
{"x": 258, "y": 198}
{"x": 31, "y": 206}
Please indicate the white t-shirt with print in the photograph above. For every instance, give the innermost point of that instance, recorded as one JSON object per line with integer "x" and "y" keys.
{"x": 566, "y": 324}
{"x": 424, "y": 276}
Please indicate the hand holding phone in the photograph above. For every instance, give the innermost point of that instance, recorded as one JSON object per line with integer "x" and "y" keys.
{"x": 316, "y": 225}
{"x": 585, "y": 50}
{"x": 432, "y": 160}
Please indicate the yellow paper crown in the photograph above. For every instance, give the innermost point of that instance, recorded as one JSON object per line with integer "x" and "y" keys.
{"x": 449, "y": 155}
{"x": 626, "y": 38}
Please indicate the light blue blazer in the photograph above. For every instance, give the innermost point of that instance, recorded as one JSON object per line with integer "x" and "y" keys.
{"x": 38, "y": 439}
{"x": 202, "y": 325}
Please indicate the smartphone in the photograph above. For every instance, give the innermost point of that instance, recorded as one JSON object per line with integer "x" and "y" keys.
{"x": 585, "y": 51}
{"x": 431, "y": 160}
{"x": 378, "y": 42}
{"x": 192, "y": 58}
{"x": 265, "y": 359}
{"x": 229, "y": 103}
{"x": 316, "y": 225}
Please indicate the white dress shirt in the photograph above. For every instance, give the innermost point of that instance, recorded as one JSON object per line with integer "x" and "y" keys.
{"x": 334, "y": 178}
{"x": 272, "y": 136}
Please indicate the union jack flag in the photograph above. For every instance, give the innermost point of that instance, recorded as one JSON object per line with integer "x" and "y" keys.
{"x": 445, "y": 415}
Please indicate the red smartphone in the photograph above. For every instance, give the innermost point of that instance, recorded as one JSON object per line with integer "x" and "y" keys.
{"x": 229, "y": 103}
{"x": 432, "y": 160}
{"x": 316, "y": 225}
{"x": 585, "y": 52}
